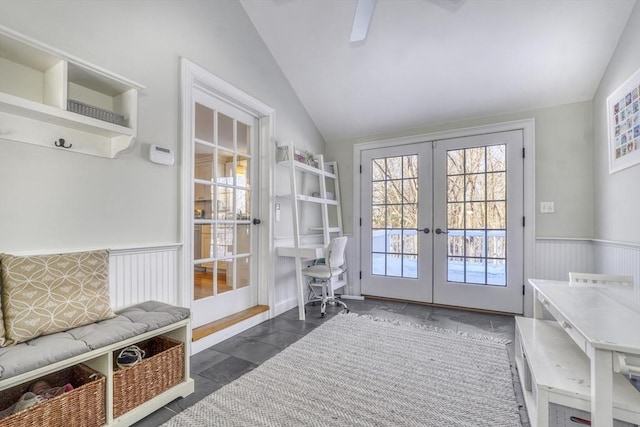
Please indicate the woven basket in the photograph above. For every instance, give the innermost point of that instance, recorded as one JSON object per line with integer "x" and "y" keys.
{"x": 82, "y": 407}
{"x": 161, "y": 369}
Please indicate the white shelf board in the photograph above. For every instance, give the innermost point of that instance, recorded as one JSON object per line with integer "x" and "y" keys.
{"x": 558, "y": 365}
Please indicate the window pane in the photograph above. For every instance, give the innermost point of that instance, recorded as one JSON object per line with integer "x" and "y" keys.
{"x": 474, "y": 187}
{"x": 378, "y": 195}
{"x": 410, "y": 166}
{"x": 394, "y": 168}
{"x": 474, "y": 244}
{"x": 497, "y": 215}
{"x": 455, "y": 162}
{"x": 475, "y": 270}
{"x": 410, "y": 216}
{"x": 410, "y": 242}
{"x": 378, "y": 264}
{"x": 456, "y": 243}
{"x": 496, "y": 158}
{"x": 243, "y": 178}
{"x": 455, "y": 269}
{"x": 455, "y": 188}
{"x": 410, "y": 191}
{"x": 224, "y": 278}
{"x": 202, "y": 281}
{"x": 378, "y": 217}
{"x": 410, "y": 266}
{"x": 496, "y": 244}
{"x": 378, "y": 240}
{"x": 379, "y": 169}
{"x": 395, "y": 242}
{"x": 497, "y": 272}
{"x": 497, "y": 186}
{"x": 244, "y": 239}
{"x": 475, "y": 215}
{"x": 243, "y": 274}
{"x": 394, "y": 265}
{"x": 243, "y": 204}
{"x": 394, "y": 191}
{"x": 394, "y": 216}
{"x": 474, "y": 160}
{"x": 243, "y": 138}
{"x": 204, "y": 123}
{"x": 225, "y": 131}
{"x": 455, "y": 216}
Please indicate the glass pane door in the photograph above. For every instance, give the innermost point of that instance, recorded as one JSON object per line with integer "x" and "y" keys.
{"x": 223, "y": 165}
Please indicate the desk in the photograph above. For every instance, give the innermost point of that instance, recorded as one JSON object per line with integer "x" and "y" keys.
{"x": 306, "y": 253}
{"x": 599, "y": 326}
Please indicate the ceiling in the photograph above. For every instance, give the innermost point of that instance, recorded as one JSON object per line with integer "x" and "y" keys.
{"x": 427, "y": 62}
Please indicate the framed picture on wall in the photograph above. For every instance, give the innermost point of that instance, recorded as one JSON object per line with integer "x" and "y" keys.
{"x": 623, "y": 117}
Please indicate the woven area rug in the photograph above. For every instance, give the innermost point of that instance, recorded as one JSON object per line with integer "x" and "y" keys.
{"x": 358, "y": 371}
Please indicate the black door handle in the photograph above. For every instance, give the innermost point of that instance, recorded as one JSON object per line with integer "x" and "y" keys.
{"x": 256, "y": 221}
{"x": 440, "y": 231}
{"x": 426, "y": 230}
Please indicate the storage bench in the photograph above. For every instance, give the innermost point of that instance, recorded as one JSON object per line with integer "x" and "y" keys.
{"x": 56, "y": 319}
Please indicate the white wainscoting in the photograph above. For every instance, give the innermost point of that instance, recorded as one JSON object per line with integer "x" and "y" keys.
{"x": 141, "y": 274}
{"x": 555, "y": 258}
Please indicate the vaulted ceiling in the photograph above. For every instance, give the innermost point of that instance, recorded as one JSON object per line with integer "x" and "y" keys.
{"x": 425, "y": 62}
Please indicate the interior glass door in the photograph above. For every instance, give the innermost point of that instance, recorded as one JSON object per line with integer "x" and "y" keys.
{"x": 223, "y": 201}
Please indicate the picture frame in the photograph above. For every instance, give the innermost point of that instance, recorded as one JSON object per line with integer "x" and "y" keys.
{"x": 623, "y": 125}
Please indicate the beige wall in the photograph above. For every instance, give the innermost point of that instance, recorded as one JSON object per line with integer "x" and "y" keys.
{"x": 52, "y": 200}
{"x": 616, "y": 196}
{"x": 563, "y": 166}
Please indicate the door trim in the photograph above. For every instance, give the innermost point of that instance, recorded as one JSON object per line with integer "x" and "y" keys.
{"x": 528, "y": 131}
{"x": 192, "y": 76}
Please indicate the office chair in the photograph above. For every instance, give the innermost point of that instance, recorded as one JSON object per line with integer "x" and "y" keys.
{"x": 321, "y": 275}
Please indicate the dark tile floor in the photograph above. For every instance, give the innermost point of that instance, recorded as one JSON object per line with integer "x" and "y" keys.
{"x": 224, "y": 362}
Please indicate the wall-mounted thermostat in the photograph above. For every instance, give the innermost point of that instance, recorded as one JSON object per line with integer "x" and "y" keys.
{"x": 161, "y": 155}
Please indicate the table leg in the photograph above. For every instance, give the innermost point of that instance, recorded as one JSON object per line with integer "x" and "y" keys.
{"x": 601, "y": 388}
{"x": 300, "y": 286}
{"x": 537, "y": 305}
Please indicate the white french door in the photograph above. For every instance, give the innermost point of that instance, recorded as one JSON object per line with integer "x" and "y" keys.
{"x": 442, "y": 222}
{"x": 225, "y": 174}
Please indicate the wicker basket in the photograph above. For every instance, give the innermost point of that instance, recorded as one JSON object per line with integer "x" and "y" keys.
{"x": 161, "y": 369}
{"x": 81, "y": 407}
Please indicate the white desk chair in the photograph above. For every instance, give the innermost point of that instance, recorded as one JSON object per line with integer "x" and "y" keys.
{"x": 600, "y": 280}
{"x": 321, "y": 275}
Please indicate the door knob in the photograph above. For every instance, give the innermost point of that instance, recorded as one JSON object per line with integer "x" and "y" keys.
{"x": 256, "y": 221}
{"x": 440, "y": 231}
{"x": 426, "y": 230}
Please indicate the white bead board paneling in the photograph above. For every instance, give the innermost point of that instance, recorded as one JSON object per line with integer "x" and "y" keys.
{"x": 555, "y": 258}
{"x": 143, "y": 274}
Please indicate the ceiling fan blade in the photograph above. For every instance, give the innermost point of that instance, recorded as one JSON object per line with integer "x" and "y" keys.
{"x": 362, "y": 19}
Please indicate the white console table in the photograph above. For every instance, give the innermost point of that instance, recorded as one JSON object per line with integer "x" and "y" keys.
{"x": 569, "y": 374}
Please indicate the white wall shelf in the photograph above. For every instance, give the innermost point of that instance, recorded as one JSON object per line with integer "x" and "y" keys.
{"x": 36, "y": 83}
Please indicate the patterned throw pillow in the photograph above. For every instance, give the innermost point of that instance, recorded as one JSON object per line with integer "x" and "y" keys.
{"x": 2, "y": 339}
{"x": 44, "y": 294}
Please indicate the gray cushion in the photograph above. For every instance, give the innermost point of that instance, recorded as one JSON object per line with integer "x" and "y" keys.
{"x": 48, "y": 349}
{"x": 39, "y": 352}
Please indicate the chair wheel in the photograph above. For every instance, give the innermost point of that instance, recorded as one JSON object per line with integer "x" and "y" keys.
{"x": 323, "y": 314}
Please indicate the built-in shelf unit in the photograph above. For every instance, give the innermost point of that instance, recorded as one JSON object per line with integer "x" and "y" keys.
{"x": 53, "y": 99}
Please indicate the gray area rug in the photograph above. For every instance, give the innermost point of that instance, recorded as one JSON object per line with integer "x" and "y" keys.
{"x": 359, "y": 371}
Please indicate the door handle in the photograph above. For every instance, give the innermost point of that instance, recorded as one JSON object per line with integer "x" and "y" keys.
{"x": 256, "y": 221}
{"x": 440, "y": 231}
{"x": 426, "y": 230}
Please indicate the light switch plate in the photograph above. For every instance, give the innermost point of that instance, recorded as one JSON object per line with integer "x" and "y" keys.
{"x": 547, "y": 207}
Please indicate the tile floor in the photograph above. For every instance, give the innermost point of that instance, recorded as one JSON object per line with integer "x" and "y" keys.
{"x": 224, "y": 362}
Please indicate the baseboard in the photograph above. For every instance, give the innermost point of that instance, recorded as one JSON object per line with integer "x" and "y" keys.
{"x": 218, "y": 337}
{"x": 285, "y": 305}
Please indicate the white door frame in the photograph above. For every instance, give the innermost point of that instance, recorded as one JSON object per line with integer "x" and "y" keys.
{"x": 528, "y": 130}
{"x": 193, "y": 76}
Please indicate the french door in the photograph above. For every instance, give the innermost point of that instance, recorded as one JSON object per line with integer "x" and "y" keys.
{"x": 442, "y": 222}
{"x": 224, "y": 175}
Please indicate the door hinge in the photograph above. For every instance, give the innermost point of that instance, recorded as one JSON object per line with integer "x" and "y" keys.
{"x": 361, "y": 274}
{"x": 522, "y": 289}
{"x": 523, "y": 221}
{"x": 360, "y": 222}
{"x": 360, "y": 168}
{"x": 523, "y": 152}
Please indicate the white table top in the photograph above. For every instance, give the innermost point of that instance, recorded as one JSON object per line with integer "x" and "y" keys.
{"x": 604, "y": 322}
{"x": 306, "y": 252}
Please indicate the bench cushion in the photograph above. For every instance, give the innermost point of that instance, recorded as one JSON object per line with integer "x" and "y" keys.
{"x": 44, "y": 294}
{"x": 53, "y": 348}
